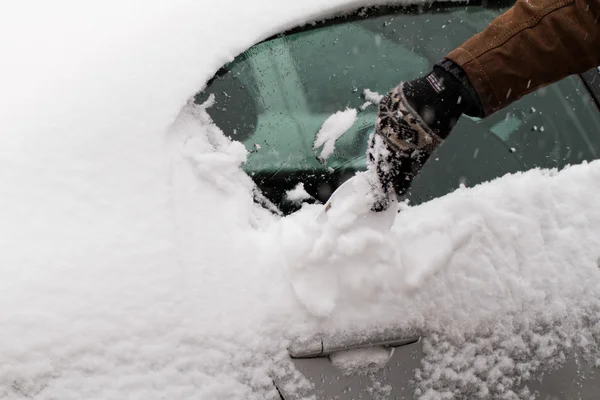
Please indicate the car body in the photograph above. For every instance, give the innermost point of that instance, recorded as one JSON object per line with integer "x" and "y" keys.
{"x": 275, "y": 97}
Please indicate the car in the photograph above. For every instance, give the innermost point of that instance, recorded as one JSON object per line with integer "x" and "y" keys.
{"x": 275, "y": 97}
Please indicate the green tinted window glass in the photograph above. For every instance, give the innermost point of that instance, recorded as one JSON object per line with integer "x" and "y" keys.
{"x": 551, "y": 128}
{"x": 276, "y": 96}
{"x": 362, "y": 58}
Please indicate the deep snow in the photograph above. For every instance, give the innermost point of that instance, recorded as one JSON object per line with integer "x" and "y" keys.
{"x": 135, "y": 263}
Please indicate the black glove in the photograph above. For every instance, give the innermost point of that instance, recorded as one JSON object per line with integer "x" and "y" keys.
{"x": 413, "y": 120}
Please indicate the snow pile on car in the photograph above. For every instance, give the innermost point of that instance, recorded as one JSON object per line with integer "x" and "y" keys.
{"x": 136, "y": 264}
{"x": 501, "y": 278}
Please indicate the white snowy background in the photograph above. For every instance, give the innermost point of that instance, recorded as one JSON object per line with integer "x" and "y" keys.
{"x": 134, "y": 263}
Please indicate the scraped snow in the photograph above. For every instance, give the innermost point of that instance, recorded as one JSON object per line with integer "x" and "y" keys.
{"x": 333, "y": 128}
{"x": 373, "y": 97}
{"x": 298, "y": 194}
{"x": 135, "y": 263}
{"x": 365, "y": 105}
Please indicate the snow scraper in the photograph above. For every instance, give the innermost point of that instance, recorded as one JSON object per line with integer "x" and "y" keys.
{"x": 354, "y": 199}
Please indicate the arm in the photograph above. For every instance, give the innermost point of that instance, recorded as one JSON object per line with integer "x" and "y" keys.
{"x": 534, "y": 44}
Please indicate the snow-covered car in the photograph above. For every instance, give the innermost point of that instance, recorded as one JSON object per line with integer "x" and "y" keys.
{"x": 276, "y": 96}
{"x": 136, "y": 263}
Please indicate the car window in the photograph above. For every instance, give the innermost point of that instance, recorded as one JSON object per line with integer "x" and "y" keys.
{"x": 276, "y": 96}
{"x": 364, "y": 58}
{"x": 236, "y": 99}
{"x": 551, "y": 128}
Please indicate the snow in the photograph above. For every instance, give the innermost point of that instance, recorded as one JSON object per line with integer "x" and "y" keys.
{"x": 333, "y": 128}
{"x": 514, "y": 272}
{"x": 365, "y": 105}
{"x": 136, "y": 264}
{"x": 298, "y": 194}
{"x": 361, "y": 361}
{"x": 373, "y": 97}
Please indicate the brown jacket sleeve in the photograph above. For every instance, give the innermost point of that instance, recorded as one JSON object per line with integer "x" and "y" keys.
{"x": 535, "y": 43}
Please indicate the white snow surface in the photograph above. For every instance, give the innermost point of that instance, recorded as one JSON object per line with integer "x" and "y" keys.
{"x": 136, "y": 264}
{"x": 333, "y": 128}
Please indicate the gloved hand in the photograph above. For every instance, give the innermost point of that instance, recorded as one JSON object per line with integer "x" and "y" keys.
{"x": 413, "y": 120}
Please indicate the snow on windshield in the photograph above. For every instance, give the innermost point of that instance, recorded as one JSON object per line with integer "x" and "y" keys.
{"x": 135, "y": 262}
